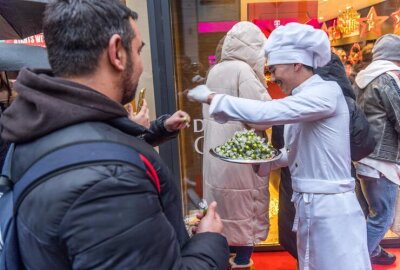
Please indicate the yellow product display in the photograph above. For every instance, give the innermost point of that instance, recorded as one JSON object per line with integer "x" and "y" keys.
{"x": 273, "y": 235}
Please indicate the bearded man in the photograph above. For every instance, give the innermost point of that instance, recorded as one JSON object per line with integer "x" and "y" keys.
{"x": 112, "y": 215}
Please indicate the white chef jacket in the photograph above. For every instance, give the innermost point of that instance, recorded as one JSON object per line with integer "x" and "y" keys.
{"x": 330, "y": 224}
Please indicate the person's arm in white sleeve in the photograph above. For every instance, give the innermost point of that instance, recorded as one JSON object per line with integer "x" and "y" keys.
{"x": 252, "y": 88}
{"x": 302, "y": 107}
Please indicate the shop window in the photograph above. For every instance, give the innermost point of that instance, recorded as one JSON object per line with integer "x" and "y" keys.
{"x": 198, "y": 29}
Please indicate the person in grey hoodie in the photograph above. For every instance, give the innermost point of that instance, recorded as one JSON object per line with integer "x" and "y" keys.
{"x": 378, "y": 94}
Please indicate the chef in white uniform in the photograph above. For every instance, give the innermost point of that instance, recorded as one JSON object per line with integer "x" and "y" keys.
{"x": 331, "y": 228}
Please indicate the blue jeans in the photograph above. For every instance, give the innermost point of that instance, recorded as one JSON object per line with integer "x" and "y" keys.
{"x": 243, "y": 254}
{"x": 380, "y": 194}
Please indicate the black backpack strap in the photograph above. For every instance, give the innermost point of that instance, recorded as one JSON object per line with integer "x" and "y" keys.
{"x": 77, "y": 155}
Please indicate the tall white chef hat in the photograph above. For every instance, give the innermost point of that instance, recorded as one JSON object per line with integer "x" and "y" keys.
{"x": 298, "y": 43}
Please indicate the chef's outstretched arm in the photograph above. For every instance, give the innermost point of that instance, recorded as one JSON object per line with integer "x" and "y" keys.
{"x": 302, "y": 107}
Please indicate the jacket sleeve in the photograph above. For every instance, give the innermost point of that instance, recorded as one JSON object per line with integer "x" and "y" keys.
{"x": 197, "y": 247}
{"x": 154, "y": 135}
{"x": 157, "y": 133}
{"x": 302, "y": 107}
{"x": 390, "y": 96}
{"x": 118, "y": 223}
{"x": 205, "y": 251}
{"x": 362, "y": 141}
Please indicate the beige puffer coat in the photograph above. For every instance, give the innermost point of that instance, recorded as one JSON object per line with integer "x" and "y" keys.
{"x": 242, "y": 196}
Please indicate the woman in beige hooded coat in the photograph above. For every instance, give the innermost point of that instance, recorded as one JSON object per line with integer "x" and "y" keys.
{"x": 242, "y": 196}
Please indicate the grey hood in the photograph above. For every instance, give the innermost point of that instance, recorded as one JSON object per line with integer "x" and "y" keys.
{"x": 373, "y": 70}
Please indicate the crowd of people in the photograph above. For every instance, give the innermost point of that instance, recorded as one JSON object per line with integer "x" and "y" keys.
{"x": 114, "y": 215}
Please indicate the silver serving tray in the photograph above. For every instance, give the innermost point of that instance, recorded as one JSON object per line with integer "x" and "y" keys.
{"x": 277, "y": 156}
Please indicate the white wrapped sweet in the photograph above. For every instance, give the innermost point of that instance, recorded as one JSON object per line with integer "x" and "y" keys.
{"x": 246, "y": 145}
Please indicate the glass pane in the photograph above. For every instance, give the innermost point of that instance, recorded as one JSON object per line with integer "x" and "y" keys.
{"x": 195, "y": 42}
{"x": 198, "y": 28}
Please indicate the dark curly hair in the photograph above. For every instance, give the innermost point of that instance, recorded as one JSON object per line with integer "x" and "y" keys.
{"x": 77, "y": 32}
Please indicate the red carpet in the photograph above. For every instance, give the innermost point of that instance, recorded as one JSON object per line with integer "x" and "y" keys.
{"x": 283, "y": 261}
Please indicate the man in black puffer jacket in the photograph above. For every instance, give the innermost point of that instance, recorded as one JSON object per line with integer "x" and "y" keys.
{"x": 103, "y": 216}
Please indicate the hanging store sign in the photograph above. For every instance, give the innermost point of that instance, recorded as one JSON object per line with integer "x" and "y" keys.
{"x": 36, "y": 40}
{"x": 347, "y": 22}
{"x": 332, "y": 31}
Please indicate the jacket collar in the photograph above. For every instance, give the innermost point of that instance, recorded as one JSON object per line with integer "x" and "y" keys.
{"x": 313, "y": 79}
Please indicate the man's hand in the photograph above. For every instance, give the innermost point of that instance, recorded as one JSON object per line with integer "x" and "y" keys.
{"x": 201, "y": 94}
{"x": 141, "y": 118}
{"x": 211, "y": 222}
{"x": 177, "y": 121}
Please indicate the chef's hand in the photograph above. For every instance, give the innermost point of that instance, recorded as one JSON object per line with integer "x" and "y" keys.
{"x": 142, "y": 117}
{"x": 201, "y": 93}
{"x": 177, "y": 121}
{"x": 211, "y": 222}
